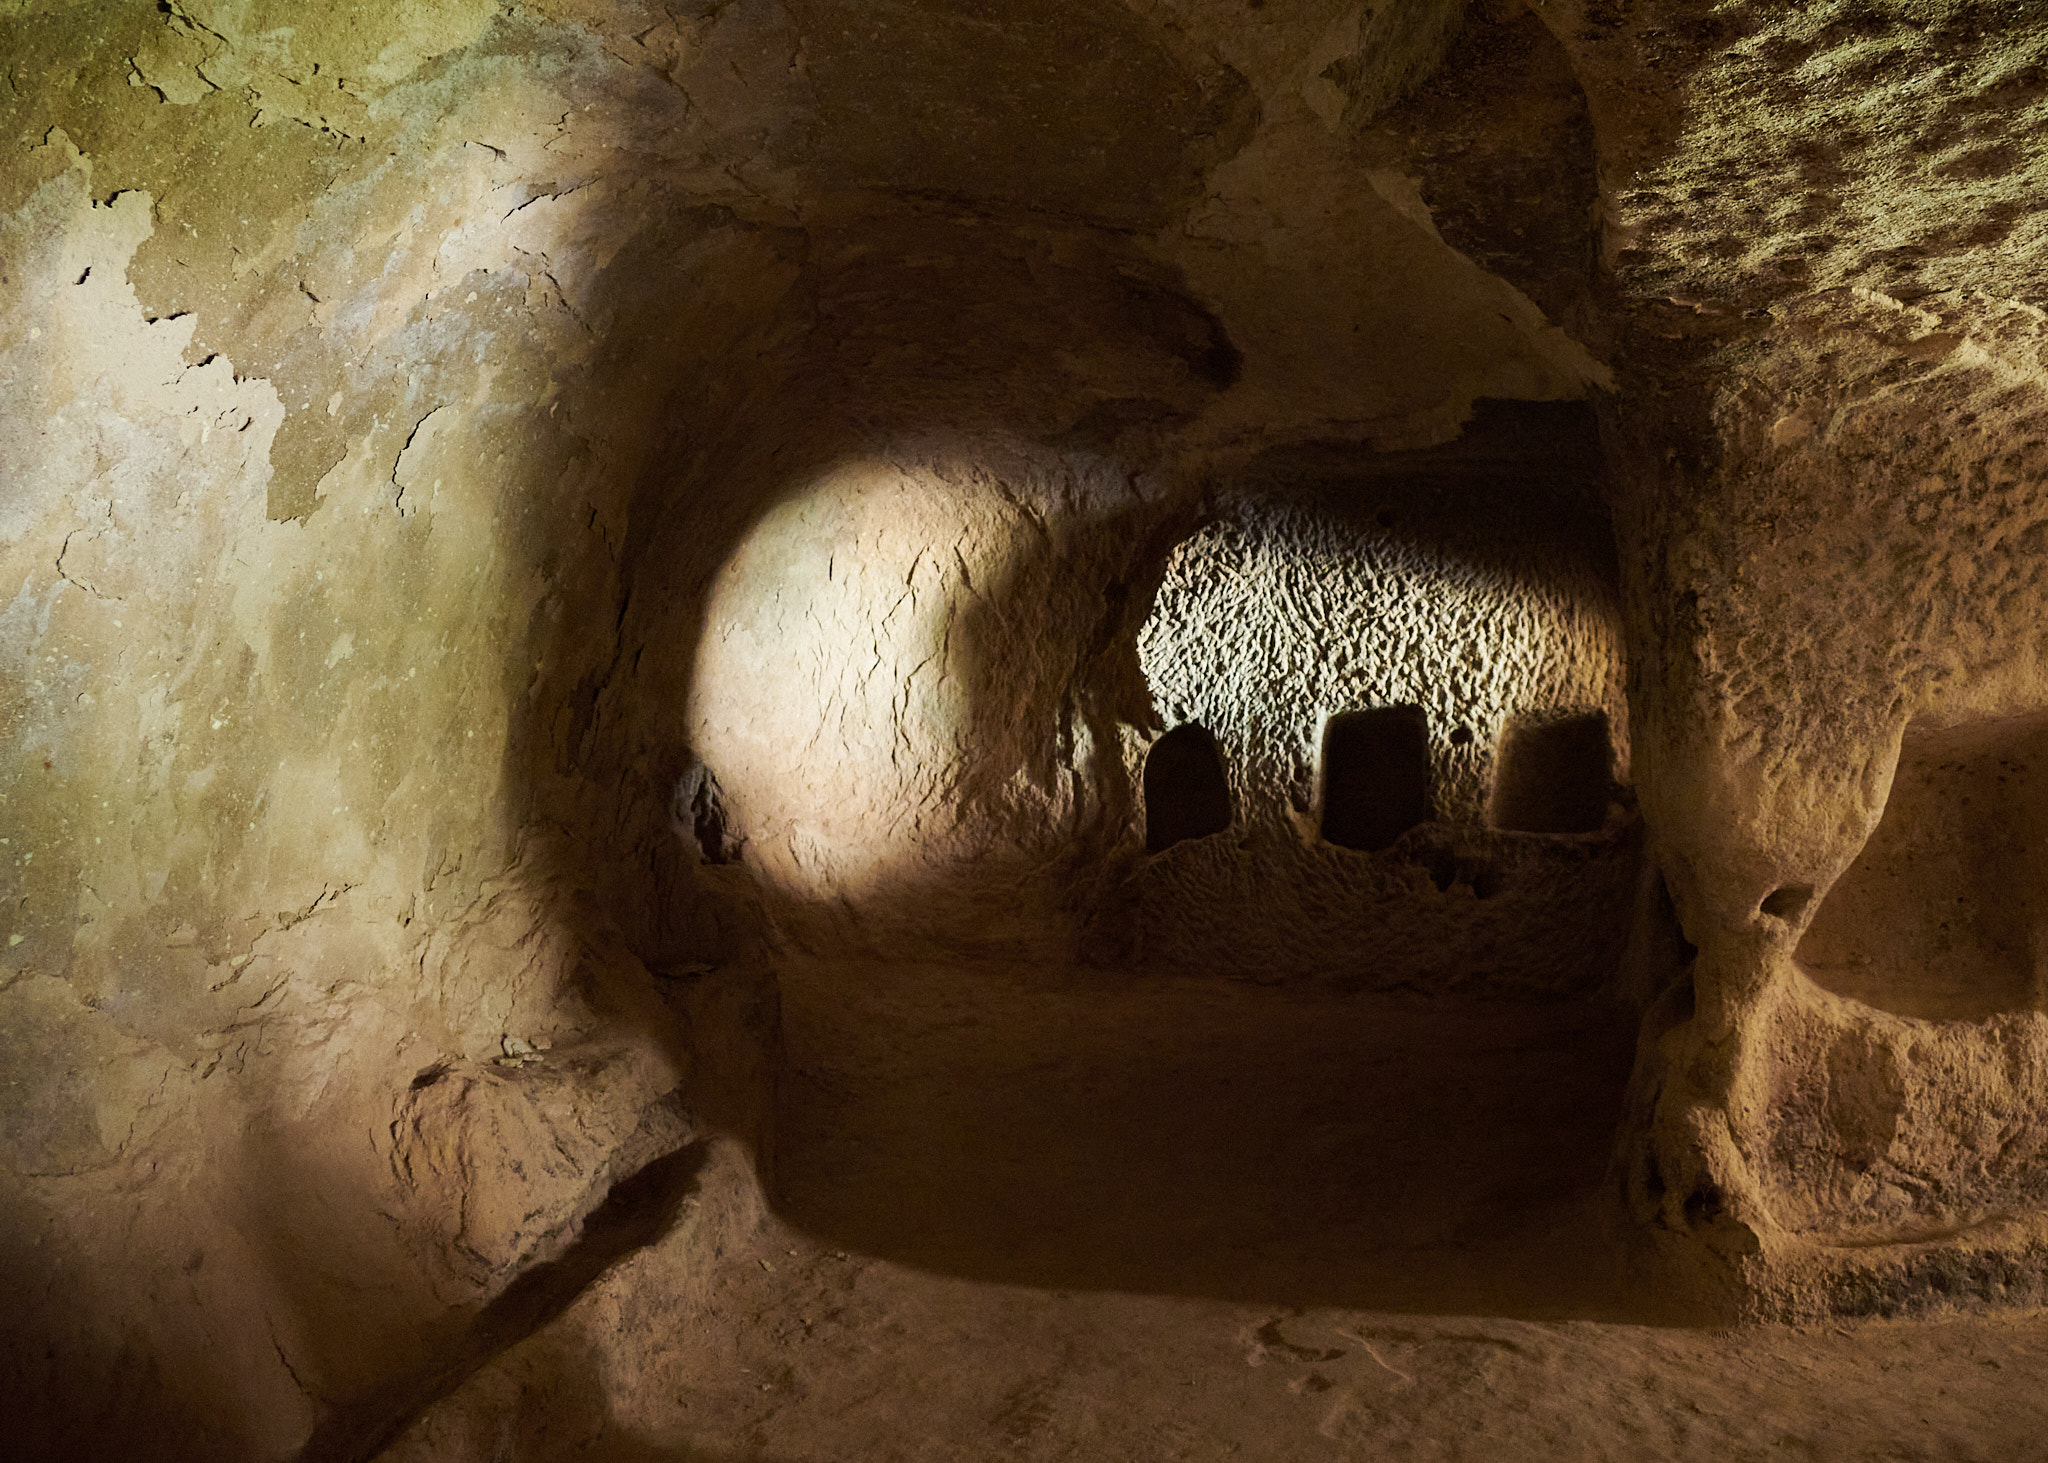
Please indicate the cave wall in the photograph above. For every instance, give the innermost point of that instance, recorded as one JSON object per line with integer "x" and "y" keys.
{"x": 318, "y": 454}
{"x": 428, "y": 438}
{"x": 1467, "y": 592}
{"x": 403, "y": 406}
{"x": 1870, "y": 558}
{"x": 1819, "y": 232}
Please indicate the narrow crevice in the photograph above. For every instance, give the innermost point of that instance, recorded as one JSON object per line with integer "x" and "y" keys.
{"x": 638, "y": 1211}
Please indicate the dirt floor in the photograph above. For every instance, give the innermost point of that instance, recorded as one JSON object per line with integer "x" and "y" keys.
{"x": 1045, "y": 1215}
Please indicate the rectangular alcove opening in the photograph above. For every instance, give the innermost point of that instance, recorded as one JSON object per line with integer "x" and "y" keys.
{"x": 1554, "y": 774}
{"x": 1375, "y": 775}
{"x": 1943, "y": 915}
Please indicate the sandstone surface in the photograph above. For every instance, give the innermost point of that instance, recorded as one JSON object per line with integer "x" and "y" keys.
{"x": 612, "y": 611}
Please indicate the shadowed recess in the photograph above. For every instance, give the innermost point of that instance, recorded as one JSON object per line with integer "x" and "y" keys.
{"x": 1075, "y": 1131}
{"x": 1186, "y": 792}
{"x": 1375, "y": 775}
{"x": 1554, "y": 776}
{"x": 1941, "y": 916}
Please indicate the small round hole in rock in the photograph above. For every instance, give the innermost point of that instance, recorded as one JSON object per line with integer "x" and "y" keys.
{"x": 1786, "y": 903}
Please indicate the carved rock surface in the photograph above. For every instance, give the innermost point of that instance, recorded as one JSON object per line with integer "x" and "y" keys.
{"x": 519, "y": 522}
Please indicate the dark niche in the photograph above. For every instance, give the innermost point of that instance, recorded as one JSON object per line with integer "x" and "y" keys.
{"x": 1375, "y": 775}
{"x": 1555, "y": 775}
{"x": 1186, "y": 792}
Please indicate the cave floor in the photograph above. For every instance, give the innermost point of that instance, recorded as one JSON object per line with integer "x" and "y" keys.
{"x": 1031, "y": 1214}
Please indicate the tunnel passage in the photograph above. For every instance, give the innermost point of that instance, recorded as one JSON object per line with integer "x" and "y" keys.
{"x": 1554, "y": 775}
{"x": 1375, "y": 775}
{"x": 1941, "y": 916}
{"x": 1186, "y": 792}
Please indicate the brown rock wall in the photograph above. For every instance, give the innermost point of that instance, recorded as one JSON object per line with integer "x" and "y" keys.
{"x": 505, "y": 510}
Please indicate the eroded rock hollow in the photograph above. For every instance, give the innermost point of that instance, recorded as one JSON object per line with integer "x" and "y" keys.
{"x": 797, "y": 729}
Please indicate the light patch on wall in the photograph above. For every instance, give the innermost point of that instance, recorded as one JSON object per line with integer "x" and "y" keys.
{"x": 1271, "y": 622}
{"x": 826, "y": 696}
{"x": 903, "y": 679}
